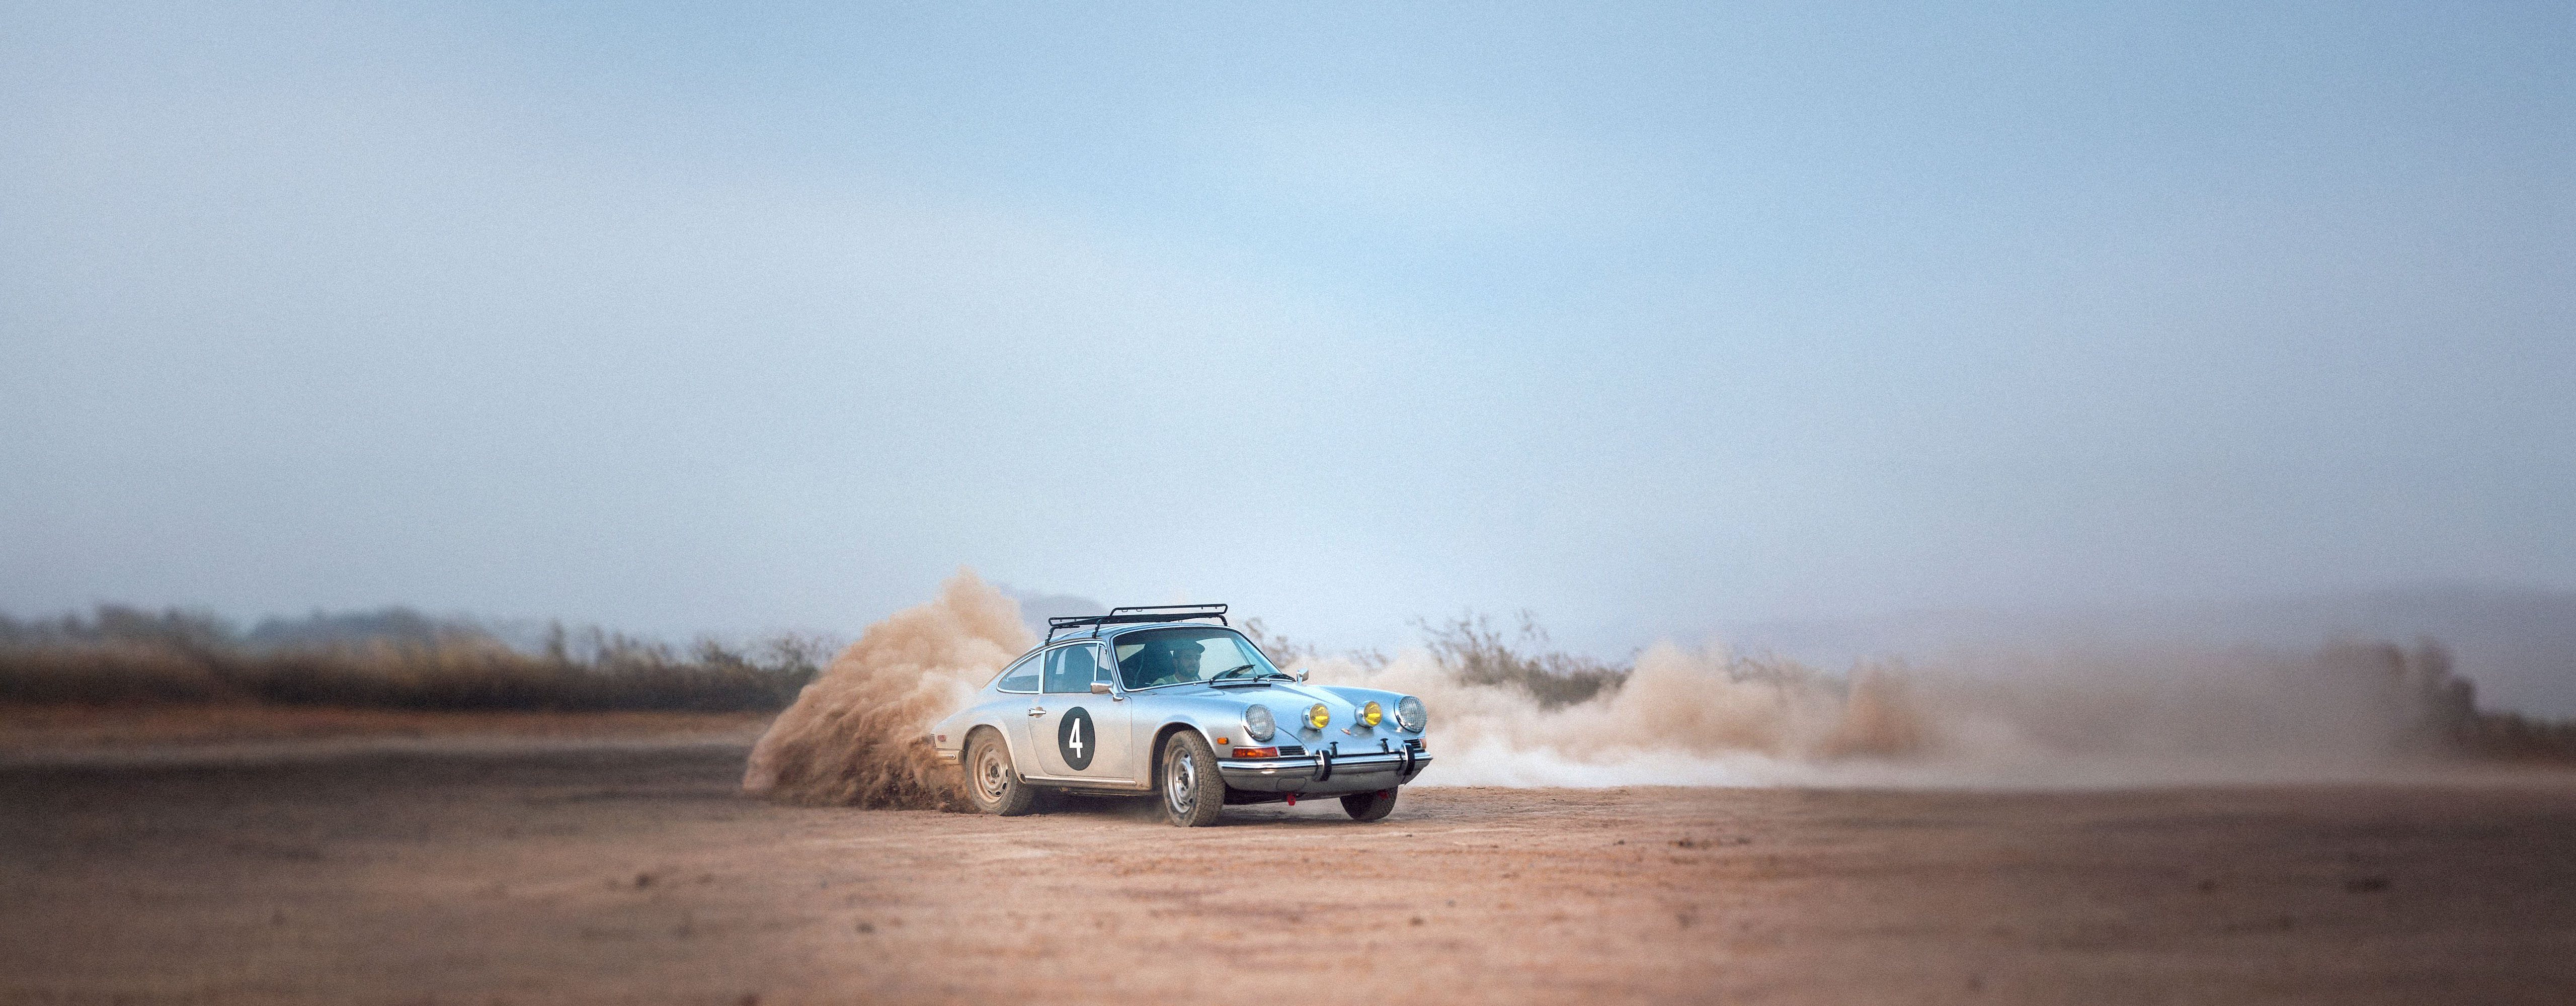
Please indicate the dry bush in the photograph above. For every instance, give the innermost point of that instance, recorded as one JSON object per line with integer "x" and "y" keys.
{"x": 2515, "y": 737}
{"x": 126, "y": 656}
{"x": 116, "y": 673}
{"x": 1470, "y": 647}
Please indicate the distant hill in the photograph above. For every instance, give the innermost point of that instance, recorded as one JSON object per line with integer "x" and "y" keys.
{"x": 2518, "y": 645}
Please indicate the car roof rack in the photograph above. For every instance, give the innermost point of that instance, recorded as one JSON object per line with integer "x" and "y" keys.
{"x": 1137, "y": 615}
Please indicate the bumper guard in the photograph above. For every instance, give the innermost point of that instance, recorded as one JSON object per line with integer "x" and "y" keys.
{"x": 1324, "y": 773}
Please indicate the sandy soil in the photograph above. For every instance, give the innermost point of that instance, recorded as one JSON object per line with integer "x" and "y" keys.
{"x": 640, "y": 874}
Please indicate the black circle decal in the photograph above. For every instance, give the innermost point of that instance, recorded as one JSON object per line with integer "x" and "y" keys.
{"x": 1077, "y": 738}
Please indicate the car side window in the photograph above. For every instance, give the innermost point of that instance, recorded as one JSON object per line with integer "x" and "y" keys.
{"x": 1072, "y": 670}
{"x": 1022, "y": 677}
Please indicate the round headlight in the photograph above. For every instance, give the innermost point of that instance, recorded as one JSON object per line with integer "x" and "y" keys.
{"x": 1370, "y": 714}
{"x": 1257, "y": 723}
{"x": 1318, "y": 716}
{"x": 1410, "y": 715}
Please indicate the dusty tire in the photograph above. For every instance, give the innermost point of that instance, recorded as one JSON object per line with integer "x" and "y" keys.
{"x": 1369, "y": 806}
{"x": 992, "y": 785}
{"x": 1193, "y": 792}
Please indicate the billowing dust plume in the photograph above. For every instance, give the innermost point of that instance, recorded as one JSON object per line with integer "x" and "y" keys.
{"x": 2104, "y": 717}
{"x": 1709, "y": 717}
{"x": 855, "y": 736}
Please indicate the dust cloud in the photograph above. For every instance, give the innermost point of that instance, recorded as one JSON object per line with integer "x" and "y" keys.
{"x": 855, "y": 735}
{"x": 1995, "y": 720}
{"x": 2062, "y": 719}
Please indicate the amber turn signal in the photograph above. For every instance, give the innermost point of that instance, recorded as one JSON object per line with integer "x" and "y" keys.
{"x": 1256, "y": 752}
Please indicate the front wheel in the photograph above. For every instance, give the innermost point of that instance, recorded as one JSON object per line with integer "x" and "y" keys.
{"x": 1192, "y": 791}
{"x": 991, "y": 783}
{"x": 1369, "y": 806}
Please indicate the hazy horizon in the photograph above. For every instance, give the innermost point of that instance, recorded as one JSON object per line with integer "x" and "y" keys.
{"x": 2517, "y": 645}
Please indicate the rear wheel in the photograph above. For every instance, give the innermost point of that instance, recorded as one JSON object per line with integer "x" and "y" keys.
{"x": 1369, "y": 806}
{"x": 991, "y": 784}
{"x": 1192, "y": 791}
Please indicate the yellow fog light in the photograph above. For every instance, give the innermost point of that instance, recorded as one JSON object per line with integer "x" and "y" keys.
{"x": 1370, "y": 714}
{"x": 1318, "y": 716}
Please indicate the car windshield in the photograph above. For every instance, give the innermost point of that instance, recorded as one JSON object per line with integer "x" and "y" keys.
{"x": 1179, "y": 656}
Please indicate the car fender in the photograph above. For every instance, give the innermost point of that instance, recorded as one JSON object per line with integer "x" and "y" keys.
{"x": 1213, "y": 716}
{"x": 958, "y": 725}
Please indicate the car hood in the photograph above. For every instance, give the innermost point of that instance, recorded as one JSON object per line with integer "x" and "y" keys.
{"x": 1280, "y": 696}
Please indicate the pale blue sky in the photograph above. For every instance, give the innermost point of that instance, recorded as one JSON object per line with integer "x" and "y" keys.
{"x": 693, "y": 317}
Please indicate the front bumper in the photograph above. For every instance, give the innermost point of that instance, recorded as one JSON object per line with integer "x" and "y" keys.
{"x": 1324, "y": 773}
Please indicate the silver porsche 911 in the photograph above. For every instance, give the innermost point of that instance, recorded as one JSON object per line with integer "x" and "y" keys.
{"x": 1156, "y": 700}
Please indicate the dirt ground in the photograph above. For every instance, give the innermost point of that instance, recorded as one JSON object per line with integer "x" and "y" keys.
{"x": 640, "y": 874}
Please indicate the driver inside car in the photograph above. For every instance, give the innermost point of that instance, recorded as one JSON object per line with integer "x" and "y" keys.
{"x": 1176, "y": 663}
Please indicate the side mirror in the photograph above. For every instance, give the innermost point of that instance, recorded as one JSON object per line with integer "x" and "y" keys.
{"x": 1301, "y": 674}
{"x": 1100, "y": 688}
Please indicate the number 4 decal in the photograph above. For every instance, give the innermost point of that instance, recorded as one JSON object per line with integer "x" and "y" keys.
{"x": 1073, "y": 738}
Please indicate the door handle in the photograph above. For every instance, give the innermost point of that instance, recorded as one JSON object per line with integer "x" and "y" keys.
{"x": 1037, "y": 712}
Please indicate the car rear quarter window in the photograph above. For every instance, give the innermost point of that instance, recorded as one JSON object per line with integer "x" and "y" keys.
{"x": 1022, "y": 676}
{"x": 1072, "y": 669}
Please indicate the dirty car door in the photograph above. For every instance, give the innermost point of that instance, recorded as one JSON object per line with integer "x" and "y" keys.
{"x": 1082, "y": 736}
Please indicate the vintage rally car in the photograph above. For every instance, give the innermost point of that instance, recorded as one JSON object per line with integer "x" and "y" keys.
{"x": 1154, "y": 700}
